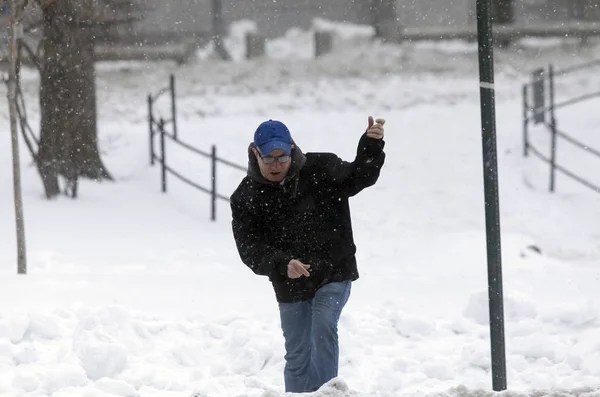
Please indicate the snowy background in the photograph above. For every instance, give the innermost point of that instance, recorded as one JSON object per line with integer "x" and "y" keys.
{"x": 132, "y": 292}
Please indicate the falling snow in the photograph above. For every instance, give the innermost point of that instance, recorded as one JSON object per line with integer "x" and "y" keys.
{"x": 132, "y": 292}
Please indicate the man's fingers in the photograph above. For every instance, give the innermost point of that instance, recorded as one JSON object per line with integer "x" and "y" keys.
{"x": 292, "y": 273}
{"x": 304, "y": 269}
{"x": 376, "y": 130}
{"x": 375, "y": 134}
{"x": 297, "y": 269}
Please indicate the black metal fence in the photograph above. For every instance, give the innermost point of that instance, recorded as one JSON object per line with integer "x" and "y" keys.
{"x": 539, "y": 107}
{"x": 159, "y": 127}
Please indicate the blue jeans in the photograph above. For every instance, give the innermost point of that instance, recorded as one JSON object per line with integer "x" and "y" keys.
{"x": 311, "y": 338}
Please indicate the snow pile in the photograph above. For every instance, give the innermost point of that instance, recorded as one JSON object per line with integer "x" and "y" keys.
{"x": 386, "y": 349}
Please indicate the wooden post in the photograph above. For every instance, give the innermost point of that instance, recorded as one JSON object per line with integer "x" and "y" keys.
{"x": 13, "y": 31}
{"x": 323, "y": 43}
{"x": 385, "y": 20}
{"x": 218, "y": 27}
{"x": 255, "y": 45}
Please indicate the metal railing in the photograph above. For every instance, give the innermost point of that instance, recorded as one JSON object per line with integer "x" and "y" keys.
{"x": 539, "y": 107}
{"x": 158, "y": 127}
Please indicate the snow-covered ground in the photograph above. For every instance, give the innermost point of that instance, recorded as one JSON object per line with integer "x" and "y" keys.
{"x": 132, "y": 292}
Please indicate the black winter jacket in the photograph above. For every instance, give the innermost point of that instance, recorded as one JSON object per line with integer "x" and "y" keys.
{"x": 304, "y": 217}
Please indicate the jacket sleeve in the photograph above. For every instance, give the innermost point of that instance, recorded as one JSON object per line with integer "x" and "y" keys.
{"x": 352, "y": 177}
{"x": 261, "y": 257}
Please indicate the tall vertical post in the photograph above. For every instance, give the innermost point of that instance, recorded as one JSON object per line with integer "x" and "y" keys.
{"x": 13, "y": 31}
{"x": 163, "y": 156}
{"x": 173, "y": 106}
{"x": 539, "y": 95}
{"x": 525, "y": 121}
{"x": 213, "y": 190}
{"x": 219, "y": 30}
{"x": 151, "y": 129}
{"x": 490, "y": 179}
{"x": 553, "y": 130}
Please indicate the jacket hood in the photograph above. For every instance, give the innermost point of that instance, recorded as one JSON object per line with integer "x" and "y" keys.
{"x": 298, "y": 160}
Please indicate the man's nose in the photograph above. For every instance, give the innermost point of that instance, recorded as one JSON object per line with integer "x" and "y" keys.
{"x": 276, "y": 164}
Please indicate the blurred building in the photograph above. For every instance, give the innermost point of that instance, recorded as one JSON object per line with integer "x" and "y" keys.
{"x": 192, "y": 19}
{"x": 275, "y": 17}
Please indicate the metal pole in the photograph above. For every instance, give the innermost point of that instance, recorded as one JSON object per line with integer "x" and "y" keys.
{"x": 173, "y": 106}
{"x": 539, "y": 95}
{"x": 163, "y": 157}
{"x": 151, "y": 129}
{"x": 525, "y": 121}
{"x": 552, "y": 130}
{"x": 13, "y": 31}
{"x": 214, "y": 184}
{"x": 492, "y": 205}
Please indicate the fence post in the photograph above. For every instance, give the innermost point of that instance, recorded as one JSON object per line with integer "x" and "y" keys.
{"x": 553, "y": 130}
{"x": 255, "y": 45}
{"x": 323, "y": 42}
{"x": 525, "y": 121}
{"x": 163, "y": 172}
{"x": 151, "y": 129}
{"x": 173, "y": 106}
{"x": 539, "y": 96}
{"x": 214, "y": 184}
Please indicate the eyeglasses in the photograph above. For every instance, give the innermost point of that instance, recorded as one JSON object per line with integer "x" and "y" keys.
{"x": 284, "y": 158}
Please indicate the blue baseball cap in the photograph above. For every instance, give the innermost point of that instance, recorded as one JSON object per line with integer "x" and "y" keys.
{"x": 271, "y": 135}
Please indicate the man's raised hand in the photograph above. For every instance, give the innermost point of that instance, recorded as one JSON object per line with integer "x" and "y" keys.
{"x": 375, "y": 129}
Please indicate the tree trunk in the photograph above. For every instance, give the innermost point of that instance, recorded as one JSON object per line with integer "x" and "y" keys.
{"x": 503, "y": 12}
{"x": 219, "y": 30}
{"x": 13, "y": 29}
{"x": 384, "y": 19}
{"x": 68, "y": 137}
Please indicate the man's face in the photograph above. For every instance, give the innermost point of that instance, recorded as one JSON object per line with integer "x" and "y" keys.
{"x": 275, "y": 165}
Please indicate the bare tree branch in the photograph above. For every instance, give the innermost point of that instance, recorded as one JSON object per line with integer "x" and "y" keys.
{"x": 22, "y": 114}
{"x": 33, "y": 26}
{"x": 24, "y": 128}
{"x": 23, "y": 45}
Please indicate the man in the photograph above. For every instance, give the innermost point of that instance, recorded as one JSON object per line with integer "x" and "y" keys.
{"x": 291, "y": 223}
